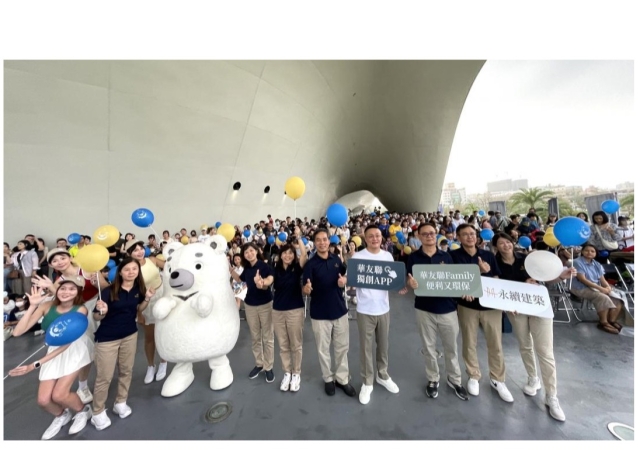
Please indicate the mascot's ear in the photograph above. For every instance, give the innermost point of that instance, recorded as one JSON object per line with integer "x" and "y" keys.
{"x": 218, "y": 243}
{"x": 170, "y": 249}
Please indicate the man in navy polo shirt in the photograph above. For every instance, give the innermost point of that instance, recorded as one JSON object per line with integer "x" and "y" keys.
{"x": 471, "y": 315}
{"x": 436, "y": 316}
{"x": 324, "y": 282}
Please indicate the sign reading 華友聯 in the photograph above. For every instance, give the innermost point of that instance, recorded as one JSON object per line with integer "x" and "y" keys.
{"x": 525, "y": 298}
{"x": 374, "y": 274}
{"x": 447, "y": 280}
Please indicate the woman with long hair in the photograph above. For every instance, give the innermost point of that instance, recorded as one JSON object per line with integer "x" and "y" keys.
{"x": 117, "y": 338}
{"x": 258, "y": 276}
{"x": 150, "y": 268}
{"x": 62, "y": 364}
{"x": 532, "y": 332}
{"x": 603, "y": 232}
{"x": 239, "y": 288}
{"x": 43, "y": 251}
{"x": 288, "y": 311}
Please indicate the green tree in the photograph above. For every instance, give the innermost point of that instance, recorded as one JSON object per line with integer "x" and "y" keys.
{"x": 626, "y": 205}
{"x": 520, "y": 202}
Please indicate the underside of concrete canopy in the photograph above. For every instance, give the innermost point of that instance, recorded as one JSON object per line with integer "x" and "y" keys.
{"x": 99, "y": 139}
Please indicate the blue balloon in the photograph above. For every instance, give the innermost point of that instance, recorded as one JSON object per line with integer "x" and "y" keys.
{"x": 335, "y": 239}
{"x": 218, "y": 224}
{"x": 337, "y": 215}
{"x": 147, "y": 251}
{"x": 282, "y": 236}
{"x": 399, "y": 235}
{"x": 373, "y": 214}
{"x": 571, "y": 231}
{"x": 486, "y": 234}
{"x": 386, "y": 216}
{"x": 111, "y": 263}
{"x": 112, "y": 274}
{"x": 481, "y": 213}
{"x": 66, "y": 328}
{"x": 610, "y": 206}
{"x": 271, "y": 240}
{"x": 74, "y": 238}
{"x": 247, "y": 233}
{"x": 305, "y": 241}
{"x": 524, "y": 241}
{"x": 142, "y": 217}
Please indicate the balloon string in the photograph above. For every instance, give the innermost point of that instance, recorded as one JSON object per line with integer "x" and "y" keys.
{"x": 154, "y": 231}
{"x": 571, "y": 278}
{"x": 98, "y": 283}
{"x": 27, "y": 359}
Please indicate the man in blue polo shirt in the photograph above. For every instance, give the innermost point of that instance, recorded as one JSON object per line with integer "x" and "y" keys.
{"x": 436, "y": 316}
{"x": 324, "y": 282}
{"x": 472, "y": 315}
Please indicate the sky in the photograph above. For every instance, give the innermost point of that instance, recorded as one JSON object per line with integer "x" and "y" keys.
{"x": 548, "y": 122}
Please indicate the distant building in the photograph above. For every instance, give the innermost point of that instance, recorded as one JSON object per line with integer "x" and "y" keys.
{"x": 625, "y": 186}
{"x": 507, "y": 185}
{"x": 452, "y": 196}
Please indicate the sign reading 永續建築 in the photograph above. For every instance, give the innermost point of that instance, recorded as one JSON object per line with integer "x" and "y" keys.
{"x": 525, "y": 298}
{"x": 446, "y": 280}
{"x": 374, "y": 274}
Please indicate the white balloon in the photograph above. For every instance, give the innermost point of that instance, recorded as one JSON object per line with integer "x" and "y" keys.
{"x": 543, "y": 265}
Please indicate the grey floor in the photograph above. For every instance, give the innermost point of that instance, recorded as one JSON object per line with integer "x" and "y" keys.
{"x": 595, "y": 387}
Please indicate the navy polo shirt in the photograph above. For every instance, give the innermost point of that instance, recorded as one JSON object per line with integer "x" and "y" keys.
{"x": 437, "y": 305}
{"x": 327, "y": 299}
{"x": 515, "y": 272}
{"x": 287, "y": 293}
{"x": 256, "y": 296}
{"x": 460, "y": 256}
{"x": 120, "y": 320}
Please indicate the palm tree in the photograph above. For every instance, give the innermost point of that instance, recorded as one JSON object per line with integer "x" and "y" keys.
{"x": 522, "y": 201}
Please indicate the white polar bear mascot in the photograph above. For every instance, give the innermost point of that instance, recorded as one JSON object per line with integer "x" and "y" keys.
{"x": 196, "y": 318}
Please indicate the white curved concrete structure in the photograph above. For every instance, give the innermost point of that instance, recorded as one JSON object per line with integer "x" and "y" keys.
{"x": 87, "y": 142}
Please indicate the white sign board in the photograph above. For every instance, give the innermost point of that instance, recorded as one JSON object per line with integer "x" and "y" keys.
{"x": 525, "y": 298}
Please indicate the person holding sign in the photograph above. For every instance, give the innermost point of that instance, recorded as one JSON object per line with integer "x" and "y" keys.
{"x": 472, "y": 315}
{"x": 325, "y": 281}
{"x": 531, "y": 331}
{"x": 436, "y": 316}
{"x": 373, "y": 321}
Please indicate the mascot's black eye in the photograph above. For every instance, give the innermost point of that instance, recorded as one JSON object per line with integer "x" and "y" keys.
{"x": 198, "y": 266}
{"x": 169, "y": 269}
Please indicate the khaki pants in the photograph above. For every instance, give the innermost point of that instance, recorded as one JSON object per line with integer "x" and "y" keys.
{"x": 288, "y": 326}
{"x": 430, "y": 325}
{"x": 261, "y": 326}
{"x": 601, "y": 302}
{"x": 491, "y": 322}
{"x": 535, "y": 333}
{"x": 368, "y": 327}
{"x": 326, "y": 331}
{"x": 107, "y": 354}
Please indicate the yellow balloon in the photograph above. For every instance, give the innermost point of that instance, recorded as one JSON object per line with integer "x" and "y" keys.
{"x": 455, "y": 246}
{"x": 184, "y": 240}
{"x": 343, "y": 239}
{"x": 294, "y": 187}
{"x": 399, "y": 246}
{"x": 407, "y": 250}
{"x": 227, "y": 231}
{"x": 357, "y": 241}
{"x": 278, "y": 242}
{"x": 204, "y": 227}
{"x": 550, "y": 239}
{"x": 106, "y": 236}
{"x": 92, "y": 258}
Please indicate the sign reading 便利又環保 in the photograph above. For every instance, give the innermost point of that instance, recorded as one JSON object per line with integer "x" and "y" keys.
{"x": 445, "y": 280}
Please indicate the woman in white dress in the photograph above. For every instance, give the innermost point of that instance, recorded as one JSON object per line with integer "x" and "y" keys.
{"x": 60, "y": 367}
{"x": 239, "y": 288}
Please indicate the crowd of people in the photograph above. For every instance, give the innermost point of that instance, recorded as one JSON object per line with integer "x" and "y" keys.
{"x": 273, "y": 266}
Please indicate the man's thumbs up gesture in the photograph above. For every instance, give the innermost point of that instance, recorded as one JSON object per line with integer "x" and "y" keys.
{"x": 413, "y": 284}
{"x": 342, "y": 281}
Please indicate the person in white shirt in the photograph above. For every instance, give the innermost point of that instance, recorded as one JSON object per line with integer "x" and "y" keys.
{"x": 625, "y": 232}
{"x": 202, "y": 237}
{"x": 373, "y": 321}
{"x": 458, "y": 219}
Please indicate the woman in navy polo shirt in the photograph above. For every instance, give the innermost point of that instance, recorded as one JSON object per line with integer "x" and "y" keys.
{"x": 117, "y": 338}
{"x": 288, "y": 311}
{"x": 258, "y": 276}
{"x": 532, "y": 332}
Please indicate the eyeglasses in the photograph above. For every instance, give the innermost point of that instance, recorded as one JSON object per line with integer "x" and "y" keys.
{"x": 467, "y": 235}
{"x": 428, "y": 234}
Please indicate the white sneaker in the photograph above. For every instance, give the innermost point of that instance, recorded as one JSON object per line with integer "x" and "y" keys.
{"x": 162, "y": 371}
{"x": 151, "y": 371}
{"x": 37, "y": 333}
{"x": 388, "y": 384}
{"x": 80, "y": 420}
{"x": 85, "y": 395}
{"x": 473, "y": 387}
{"x": 502, "y": 390}
{"x": 101, "y": 421}
{"x": 295, "y": 382}
{"x": 286, "y": 380}
{"x": 532, "y": 386}
{"x": 554, "y": 408}
{"x": 365, "y": 394}
{"x": 354, "y": 300}
{"x": 122, "y": 410}
{"x": 57, "y": 424}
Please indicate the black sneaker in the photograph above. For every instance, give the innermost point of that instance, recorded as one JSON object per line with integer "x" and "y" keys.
{"x": 432, "y": 389}
{"x": 330, "y": 388}
{"x": 347, "y": 388}
{"x": 459, "y": 390}
{"x": 254, "y": 373}
{"x": 270, "y": 376}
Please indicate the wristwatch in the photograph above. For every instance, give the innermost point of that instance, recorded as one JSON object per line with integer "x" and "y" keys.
{"x": 36, "y": 364}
